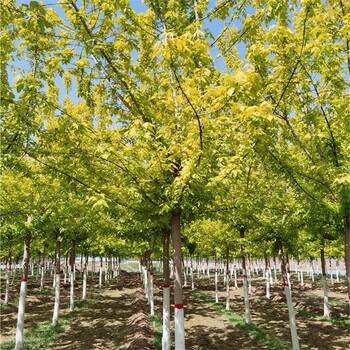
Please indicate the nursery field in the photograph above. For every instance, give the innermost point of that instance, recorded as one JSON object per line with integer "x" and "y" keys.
{"x": 206, "y": 140}
{"x": 117, "y": 316}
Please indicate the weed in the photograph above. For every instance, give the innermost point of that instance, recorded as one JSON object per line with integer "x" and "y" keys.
{"x": 158, "y": 329}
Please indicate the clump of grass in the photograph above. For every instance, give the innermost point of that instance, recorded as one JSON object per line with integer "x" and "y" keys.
{"x": 81, "y": 303}
{"x": 334, "y": 320}
{"x": 9, "y": 305}
{"x": 158, "y": 329}
{"x": 263, "y": 337}
{"x": 40, "y": 337}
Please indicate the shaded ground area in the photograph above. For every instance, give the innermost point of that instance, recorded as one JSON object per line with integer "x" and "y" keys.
{"x": 205, "y": 328}
{"x": 271, "y": 315}
{"x": 116, "y": 319}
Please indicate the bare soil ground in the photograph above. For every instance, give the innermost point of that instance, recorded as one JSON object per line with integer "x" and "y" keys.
{"x": 271, "y": 315}
{"x": 118, "y": 319}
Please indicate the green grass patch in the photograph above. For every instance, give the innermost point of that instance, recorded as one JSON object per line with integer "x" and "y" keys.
{"x": 263, "y": 337}
{"x": 44, "y": 291}
{"x": 81, "y": 303}
{"x": 10, "y": 305}
{"x": 41, "y": 336}
{"x": 334, "y": 320}
{"x": 158, "y": 331}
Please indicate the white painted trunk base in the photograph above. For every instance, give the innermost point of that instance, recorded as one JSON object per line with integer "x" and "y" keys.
{"x": 71, "y": 296}
{"x": 216, "y": 287}
{"x": 267, "y": 278}
{"x": 145, "y": 282}
{"x": 84, "y": 284}
{"x": 326, "y": 312}
{"x": 56, "y": 307}
{"x": 7, "y": 288}
{"x": 292, "y": 320}
{"x": 192, "y": 279}
{"x": 42, "y": 278}
{"x": 302, "y": 278}
{"x": 20, "y": 315}
{"x": 151, "y": 294}
{"x": 179, "y": 328}
{"x": 235, "y": 276}
{"x": 246, "y": 300}
{"x": 227, "y": 292}
{"x": 166, "y": 342}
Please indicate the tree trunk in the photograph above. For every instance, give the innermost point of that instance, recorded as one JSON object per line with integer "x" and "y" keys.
{"x": 23, "y": 290}
{"x": 292, "y": 320}
{"x": 227, "y": 279}
{"x": 216, "y": 281}
{"x": 72, "y": 265}
{"x": 100, "y": 280}
{"x": 347, "y": 252}
{"x": 267, "y": 276}
{"x": 245, "y": 280}
{"x": 57, "y": 277}
{"x": 191, "y": 270}
{"x": 324, "y": 284}
{"x": 43, "y": 268}
{"x": 166, "y": 292}
{"x": 8, "y": 276}
{"x": 178, "y": 293}
{"x": 85, "y": 273}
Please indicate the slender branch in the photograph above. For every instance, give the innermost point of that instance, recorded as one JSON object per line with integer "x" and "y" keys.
{"x": 193, "y": 109}
{"x": 289, "y": 172}
{"x": 334, "y": 145}
{"x": 123, "y": 83}
{"x": 62, "y": 172}
{"x": 286, "y": 86}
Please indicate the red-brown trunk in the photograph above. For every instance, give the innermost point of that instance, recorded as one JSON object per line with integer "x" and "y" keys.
{"x": 176, "y": 236}
{"x": 58, "y": 252}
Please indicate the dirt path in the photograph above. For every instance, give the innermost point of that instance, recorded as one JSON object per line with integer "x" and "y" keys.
{"x": 117, "y": 320}
{"x": 206, "y": 328}
{"x": 112, "y": 319}
{"x": 271, "y": 315}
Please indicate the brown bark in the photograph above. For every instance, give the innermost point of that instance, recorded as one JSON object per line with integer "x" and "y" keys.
{"x": 227, "y": 259}
{"x": 72, "y": 256}
{"x": 323, "y": 262}
{"x": 8, "y": 262}
{"x": 176, "y": 236}
{"x": 166, "y": 268}
{"x": 244, "y": 264}
{"x": 267, "y": 261}
{"x": 58, "y": 251}
{"x": 283, "y": 261}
